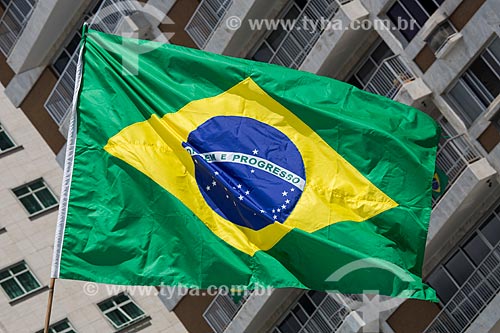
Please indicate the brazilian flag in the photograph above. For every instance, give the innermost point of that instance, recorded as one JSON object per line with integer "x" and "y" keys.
{"x": 439, "y": 183}
{"x": 196, "y": 169}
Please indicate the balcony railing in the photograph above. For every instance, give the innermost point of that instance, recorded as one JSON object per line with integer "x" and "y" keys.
{"x": 327, "y": 316}
{"x": 12, "y": 23}
{"x": 454, "y": 156}
{"x": 298, "y": 42}
{"x": 222, "y": 310}
{"x": 474, "y": 295}
{"x": 206, "y": 19}
{"x": 389, "y": 77}
{"x": 107, "y": 19}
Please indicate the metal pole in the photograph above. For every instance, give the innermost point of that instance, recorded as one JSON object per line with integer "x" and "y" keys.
{"x": 49, "y": 305}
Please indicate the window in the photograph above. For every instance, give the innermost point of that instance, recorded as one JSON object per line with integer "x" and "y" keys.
{"x": 440, "y": 36}
{"x": 364, "y": 72}
{"x": 121, "y": 311}
{"x": 6, "y": 142}
{"x": 62, "y": 61}
{"x": 288, "y": 44}
{"x": 476, "y": 89}
{"x": 36, "y": 197}
{"x": 271, "y": 44}
{"x": 448, "y": 278}
{"x": 18, "y": 281}
{"x": 410, "y": 15}
{"x": 315, "y": 311}
{"x": 19, "y": 10}
{"x": 69, "y": 50}
{"x": 64, "y": 326}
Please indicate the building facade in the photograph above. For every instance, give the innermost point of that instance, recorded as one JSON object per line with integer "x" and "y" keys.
{"x": 445, "y": 63}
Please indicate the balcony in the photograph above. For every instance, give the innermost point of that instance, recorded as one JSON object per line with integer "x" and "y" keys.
{"x": 389, "y": 77}
{"x": 476, "y": 293}
{"x": 222, "y": 311}
{"x": 206, "y": 19}
{"x": 453, "y": 157}
{"x": 297, "y": 43}
{"x": 12, "y": 23}
{"x": 321, "y": 312}
{"x": 107, "y": 19}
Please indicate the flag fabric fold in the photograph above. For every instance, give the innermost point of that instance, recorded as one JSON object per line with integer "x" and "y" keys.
{"x": 202, "y": 170}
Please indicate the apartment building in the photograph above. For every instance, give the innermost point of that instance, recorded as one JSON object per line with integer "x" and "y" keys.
{"x": 446, "y": 64}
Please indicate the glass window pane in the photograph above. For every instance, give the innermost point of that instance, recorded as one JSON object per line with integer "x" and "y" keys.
{"x": 117, "y": 318}
{"x": 459, "y": 267}
{"x": 355, "y": 82}
{"x": 397, "y": 13}
{"x": 5, "y": 141}
{"x": 300, "y": 314}
{"x": 37, "y": 184}
{"x": 106, "y": 305}
{"x": 31, "y": 205}
{"x": 443, "y": 285}
{"x": 317, "y": 296}
{"x": 365, "y": 72}
{"x": 465, "y": 102}
{"x": 21, "y": 191}
{"x": 429, "y": 6}
{"x": 289, "y": 325}
{"x": 4, "y": 274}
{"x": 439, "y": 36}
{"x": 73, "y": 44}
{"x": 416, "y": 11}
{"x": 46, "y": 198}
{"x": 307, "y": 304}
{"x": 381, "y": 53}
{"x": 486, "y": 77}
{"x": 476, "y": 249}
{"x": 121, "y": 298}
{"x": 61, "y": 63}
{"x": 12, "y": 289}
{"x": 60, "y": 327}
{"x": 263, "y": 54}
{"x": 132, "y": 310}
{"x": 491, "y": 230}
{"x": 18, "y": 268}
{"x": 495, "y": 48}
{"x": 301, "y": 3}
{"x": 28, "y": 281}
{"x": 276, "y": 37}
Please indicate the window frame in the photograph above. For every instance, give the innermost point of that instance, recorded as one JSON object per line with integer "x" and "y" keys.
{"x": 317, "y": 311}
{"x": 288, "y": 7}
{"x": 368, "y": 56}
{"x": 91, "y": 11}
{"x": 468, "y": 74}
{"x": 31, "y": 192}
{"x": 292, "y": 61}
{"x": 13, "y": 276}
{"x": 67, "y": 330}
{"x": 412, "y": 17}
{"x": 14, "y": 144}
{"x": 118, "y": 307}
{"x": 434, "y": 32}
{"x": 493, "y": 213}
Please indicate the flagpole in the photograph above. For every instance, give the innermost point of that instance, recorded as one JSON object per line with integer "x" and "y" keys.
{"x": 49, "y": 305}
{"x": 67, "y": 174}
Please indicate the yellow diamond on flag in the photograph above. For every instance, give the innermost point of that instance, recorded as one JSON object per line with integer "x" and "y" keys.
{"x": 322, "y": 186}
